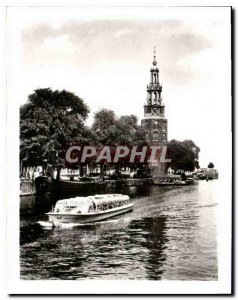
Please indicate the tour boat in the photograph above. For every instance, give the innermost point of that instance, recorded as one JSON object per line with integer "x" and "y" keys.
{"x": 89, "y": 209}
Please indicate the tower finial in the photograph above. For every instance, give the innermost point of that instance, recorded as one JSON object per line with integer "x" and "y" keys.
{"x": 154, "y": 62}
{"x": 154, "y": 52}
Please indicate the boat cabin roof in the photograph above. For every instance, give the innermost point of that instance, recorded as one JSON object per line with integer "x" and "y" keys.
{"x": 109, "y": 198}
{"x": 87, "y": 201}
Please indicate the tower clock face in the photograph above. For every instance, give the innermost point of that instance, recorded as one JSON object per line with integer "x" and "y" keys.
{"x": 155, "y": 111}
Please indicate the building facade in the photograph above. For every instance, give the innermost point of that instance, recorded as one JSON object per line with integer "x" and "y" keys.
{"x": 154, "y": 122}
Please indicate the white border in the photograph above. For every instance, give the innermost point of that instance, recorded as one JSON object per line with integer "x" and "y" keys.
{"x": 17, "y": 286}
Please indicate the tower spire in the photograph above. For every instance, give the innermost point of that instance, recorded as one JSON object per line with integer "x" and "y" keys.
{"x": 154, "y": 53}
{"x": 154, "y": 61}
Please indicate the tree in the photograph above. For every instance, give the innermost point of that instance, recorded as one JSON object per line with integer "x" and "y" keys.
{"x": 210, "y": 165}
{"x": 49, "y": 121}
{"x": 112, "y": 131}
{"x": 104, "y": 126}
{"x": 184, "y": 155}
{"x": 128, "y": 131}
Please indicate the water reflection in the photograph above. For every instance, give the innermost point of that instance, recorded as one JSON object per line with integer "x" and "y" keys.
{"x": 149, "y": 236}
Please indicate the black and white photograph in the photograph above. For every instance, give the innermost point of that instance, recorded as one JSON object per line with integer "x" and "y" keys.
{"x": 119, "y": 146}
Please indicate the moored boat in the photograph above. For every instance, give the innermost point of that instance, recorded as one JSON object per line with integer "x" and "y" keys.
{"x": 80, "y": 210}
{"x": 176, "y": 183}
{"x": 45, "y": 185}
{"x": 172, "y": 183}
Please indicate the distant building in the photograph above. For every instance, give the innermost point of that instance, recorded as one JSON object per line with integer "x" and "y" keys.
{"x": 211, "y": 173}
{"x": 154, "y": 122}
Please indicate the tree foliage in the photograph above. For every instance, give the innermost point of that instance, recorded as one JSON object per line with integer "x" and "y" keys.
{"x": 111, "y": 130}
{"x": 104, "y": 126}
{"x": 210, "y": 165}
{"x": 184, "y": 155}
{"x": 49, "y": 121}
{"x": 129, "y": 132}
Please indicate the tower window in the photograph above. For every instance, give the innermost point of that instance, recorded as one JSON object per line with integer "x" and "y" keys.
{"x": 155, "y": 135}
{"x": 148, "y": 109}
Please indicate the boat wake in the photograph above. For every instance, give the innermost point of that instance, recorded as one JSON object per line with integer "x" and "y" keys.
{"x": 45, "y": 224}
{"x": 72, "y": 225}
{"x": 207, "y": 205}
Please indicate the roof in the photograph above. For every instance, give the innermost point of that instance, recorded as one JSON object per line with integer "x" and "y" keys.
{"x": 87, "y": 201}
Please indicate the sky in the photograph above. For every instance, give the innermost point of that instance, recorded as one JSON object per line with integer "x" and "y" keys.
{"x": 104, "y": 56}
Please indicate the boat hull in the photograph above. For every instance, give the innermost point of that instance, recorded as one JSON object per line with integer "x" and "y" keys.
{"x": 171, "y": 184}
{"x": 58, "y": 218}
{"x": 178, "y": 183}
{"x": 44, "y": 185}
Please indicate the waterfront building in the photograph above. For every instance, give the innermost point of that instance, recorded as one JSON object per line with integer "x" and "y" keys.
{"x": 154, "y": 122}
{"x": 211, "y": 173}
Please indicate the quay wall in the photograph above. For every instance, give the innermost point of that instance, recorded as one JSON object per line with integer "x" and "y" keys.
{"x": 128, "y": 182}
{"x": 27, "y": 187}
{"x": 167, "y": 177}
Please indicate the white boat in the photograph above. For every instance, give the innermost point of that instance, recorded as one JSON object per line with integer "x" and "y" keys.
{"x": 81, "y": 210}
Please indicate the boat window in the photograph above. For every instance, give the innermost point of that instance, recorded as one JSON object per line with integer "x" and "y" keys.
{"x": 94, "y": 205}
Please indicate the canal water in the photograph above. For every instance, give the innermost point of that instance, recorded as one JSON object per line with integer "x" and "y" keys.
{"x": 170, "y": 235}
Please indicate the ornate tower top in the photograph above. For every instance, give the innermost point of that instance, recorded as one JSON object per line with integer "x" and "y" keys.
{"x": 154, "y": 106}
